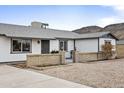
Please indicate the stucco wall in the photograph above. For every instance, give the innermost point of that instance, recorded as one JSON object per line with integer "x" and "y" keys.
{"x": 102, "y": 42}
{"x": 87, "y": 45}
{"x": 54, "y": 45}
{"x": 36, "y": 48}
{"x": 85, "y": 57}
{"x": 84, "y": 46}
{"x": 45, "y": 59}
{"x": 7, "y": 56}
{"x": 5, "y": 51}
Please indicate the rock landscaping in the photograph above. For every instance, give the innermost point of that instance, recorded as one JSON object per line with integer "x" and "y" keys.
{"x": 100, "y": 74}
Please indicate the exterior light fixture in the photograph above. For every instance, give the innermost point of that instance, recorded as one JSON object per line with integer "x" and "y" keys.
{"x": 38, "y": 41}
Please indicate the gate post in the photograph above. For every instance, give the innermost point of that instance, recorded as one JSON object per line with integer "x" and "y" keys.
{"x": 62, "y": 59}
{"x": 75, "y": 56}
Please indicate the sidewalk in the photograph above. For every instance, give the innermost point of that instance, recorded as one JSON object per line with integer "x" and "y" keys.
{"x": 12, "y": 77}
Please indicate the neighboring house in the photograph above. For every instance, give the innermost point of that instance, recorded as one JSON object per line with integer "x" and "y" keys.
{"x": 17, "y": 41}
{"x": 120, "y": 48}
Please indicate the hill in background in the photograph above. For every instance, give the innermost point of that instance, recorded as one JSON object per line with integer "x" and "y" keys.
{"x": 116, "y": 29}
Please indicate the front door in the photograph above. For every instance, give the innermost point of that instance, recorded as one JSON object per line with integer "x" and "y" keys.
{"x": 45, "y": 45}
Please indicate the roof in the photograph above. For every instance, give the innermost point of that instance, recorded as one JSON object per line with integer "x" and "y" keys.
{"x": 30, "y": 32}
{"x": 10, "y": 30}
{"x": 116, "y": 29}
{"x": 93, "y": 35}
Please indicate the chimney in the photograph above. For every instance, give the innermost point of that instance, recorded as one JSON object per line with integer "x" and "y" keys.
{"x": 39, "y": 25}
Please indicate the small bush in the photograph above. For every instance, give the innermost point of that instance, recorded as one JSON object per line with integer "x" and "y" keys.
{"x": 54, "y": 52}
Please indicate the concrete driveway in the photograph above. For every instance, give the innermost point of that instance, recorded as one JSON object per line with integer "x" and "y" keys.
{"x": 11, "y": 77}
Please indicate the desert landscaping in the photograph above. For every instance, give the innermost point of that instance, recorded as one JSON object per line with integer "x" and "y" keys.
{"x": 107, "y": 74}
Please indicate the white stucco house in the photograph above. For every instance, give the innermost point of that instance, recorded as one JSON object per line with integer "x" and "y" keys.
{"x": 17, "y": 41}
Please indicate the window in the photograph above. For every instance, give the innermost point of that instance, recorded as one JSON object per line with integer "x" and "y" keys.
{"x": 63, "y": 45}
{"x": 107, "y": 41}
{"x": 21, "y": 45}
{"x": 26, "y": 45}
{"x": 16, "y": 45}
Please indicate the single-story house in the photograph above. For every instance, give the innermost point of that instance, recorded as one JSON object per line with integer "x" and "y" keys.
{"x": 16, "y": 41}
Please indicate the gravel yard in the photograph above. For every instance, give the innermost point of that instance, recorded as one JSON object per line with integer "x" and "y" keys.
{"x": 109, "y": 73}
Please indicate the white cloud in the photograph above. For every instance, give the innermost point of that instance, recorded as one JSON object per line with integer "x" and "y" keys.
{"x": 118, "y": 18}
{"x": 106, "y": 21}
{"x": 118, "y": 7}
{"x": 109, "y": 20}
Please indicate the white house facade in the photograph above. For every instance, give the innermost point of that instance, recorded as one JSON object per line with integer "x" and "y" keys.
{"x": 18, "y": 41}
{"x": 102, "y": 41}
{"x": 87, "y": 45}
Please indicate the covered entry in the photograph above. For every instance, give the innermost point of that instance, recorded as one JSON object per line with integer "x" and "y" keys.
{"x": 45, "y": 46}
{"x": 63, "y": 45}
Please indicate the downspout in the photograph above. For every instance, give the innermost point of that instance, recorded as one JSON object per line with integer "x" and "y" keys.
{"x": 98, "y": 50}
{"x": 98, "y": 44}
{"x": 74, "y": 45}
{"x": 116, "y": 48}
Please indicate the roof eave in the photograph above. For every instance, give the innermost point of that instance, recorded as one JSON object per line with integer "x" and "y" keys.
{"x": 114, "y": 36}
{"x": 86, "y": 38}
{"x": 31, "y": 37}
{"x": 64, "y": 38}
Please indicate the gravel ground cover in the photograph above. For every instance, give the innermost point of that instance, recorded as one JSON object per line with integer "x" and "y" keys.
{"x": 100, "y": 74}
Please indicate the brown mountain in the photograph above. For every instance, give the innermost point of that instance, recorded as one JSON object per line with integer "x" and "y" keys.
{"x": 116, "y": 29}
{"x": 88, "y": 29}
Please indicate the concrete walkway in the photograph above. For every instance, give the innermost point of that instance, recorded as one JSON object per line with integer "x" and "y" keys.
{"x": 12, "y": 77}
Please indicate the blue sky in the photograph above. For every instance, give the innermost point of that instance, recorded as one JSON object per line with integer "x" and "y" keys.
{"x": 62, "y": 17}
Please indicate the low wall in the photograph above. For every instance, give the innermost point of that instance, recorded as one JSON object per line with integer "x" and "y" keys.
{"x": 120, "y": 51}
{"x": 84, "y": 57}
{"x": 91, "y": 56}
{"x": 45, "y": 59}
